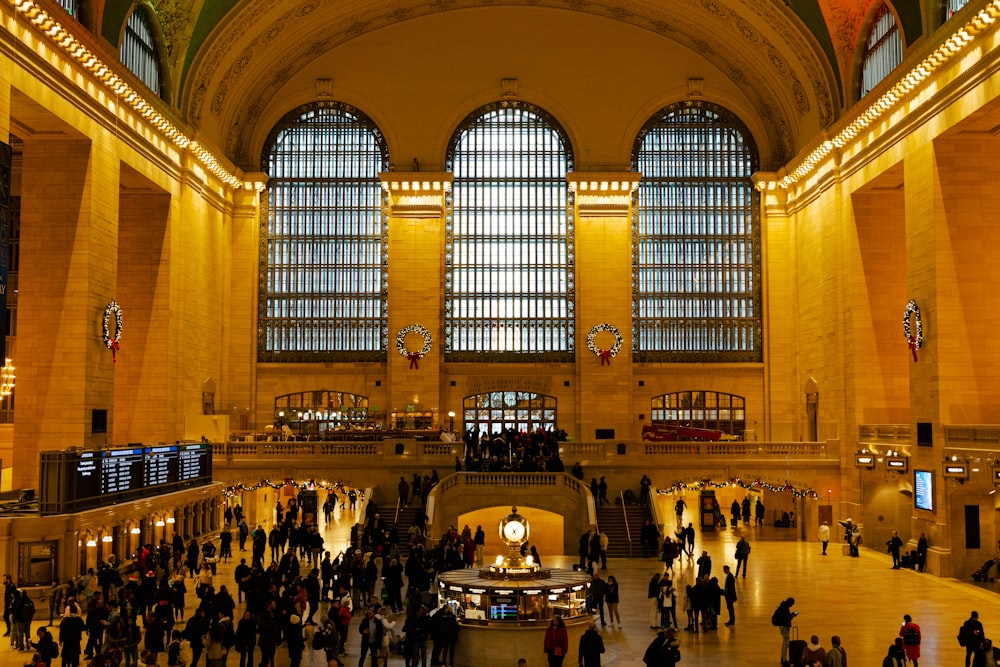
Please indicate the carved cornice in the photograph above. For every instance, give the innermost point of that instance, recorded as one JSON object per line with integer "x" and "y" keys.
{"x": 416, "y": 195}
{"x": 603, "y": 195}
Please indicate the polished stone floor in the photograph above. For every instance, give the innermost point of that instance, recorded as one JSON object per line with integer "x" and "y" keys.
{"x": 860, "y": 599}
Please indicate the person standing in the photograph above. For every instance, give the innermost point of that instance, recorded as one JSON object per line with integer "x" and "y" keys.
{"x": 759, "y": 512}
{"x": 729, "y": 592}
{"x": 689, "y": 537}
{"x": 591, "y": 647}
{"x": 836, "y": 656}
{"x": 371, "y": 630}
{"x": 598, "y": 591}
{"x": 663, "y": 651}
{"x": 704, "y": 565}
{"x": 921, "y": 552}
{"x": 612, "y": 598}
{"x": 813, "y": 655}
{"x": 746, "y": 510}
{"x": 653, "y": 596}
{"x": 824, "y": 535}
{"x": 71, "y": 630}
{"x": 556, "y": 642}
{"x": 447, "y": 634}
{"x": 742, "y": 556}
{"x": 603, "y": 543}
{"x": 782, "y": 618}
{"x": 735, "y": 511}
{"x": 894, "y": 545}
{"x": 602, "y": 490}
{"x": 971, "y": 636}
{"x": 246, "y": 639}
{"x": 910, "y": 632}
{"x": 480, "y": 539}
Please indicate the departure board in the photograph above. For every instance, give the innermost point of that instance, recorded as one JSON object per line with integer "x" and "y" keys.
{"x": 87, "y": 475}
{"x": 121, "y": 470}
{"x": 73, "y": 480}
{"x": 161, "y": 465}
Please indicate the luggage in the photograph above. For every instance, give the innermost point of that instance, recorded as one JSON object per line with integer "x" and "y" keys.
{"x": 845, "y": 549}
{"x": 983, "y": 573}
{"x": 906, "y": 560}
{"x": 796, "y": 647}
{"x": 732, "y": 521}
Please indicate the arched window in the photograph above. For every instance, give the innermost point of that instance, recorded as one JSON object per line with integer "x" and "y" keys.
{"x": 883, "y": 49}
{"x": 710, "y": 410}
{"x": 138, "y": 50}
{"x": 496, "y": 411}
{"x": 696, "y": 264}
{"x": 323, "y": 239}
{"x": 509, "y": 238}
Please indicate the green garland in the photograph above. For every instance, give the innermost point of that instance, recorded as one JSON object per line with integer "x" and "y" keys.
{"x": 735, "y": 481}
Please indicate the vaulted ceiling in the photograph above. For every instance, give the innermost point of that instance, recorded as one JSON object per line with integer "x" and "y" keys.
{"x": 236, "y": 67}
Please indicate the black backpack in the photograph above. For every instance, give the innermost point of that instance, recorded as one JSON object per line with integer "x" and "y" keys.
{"x": 174, "y": 653}
{"x": 319, "y": 640}
{"x": 776, "y": 618}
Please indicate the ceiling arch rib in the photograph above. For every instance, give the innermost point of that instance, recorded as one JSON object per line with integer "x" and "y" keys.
{"x": 757, "y": 46}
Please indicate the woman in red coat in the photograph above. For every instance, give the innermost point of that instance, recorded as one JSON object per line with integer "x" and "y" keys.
{"x": 556, "y": 642}
{"x": 910, "y": 632}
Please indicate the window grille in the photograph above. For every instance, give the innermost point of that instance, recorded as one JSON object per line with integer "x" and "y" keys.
{"x": 138, "y": 50}
{"x": 323, "y": 277}
{"x": 509, "y": 282}
{"x": 883, "y": 50}
{"x": 497, "y": 411}
{"x": 952, "y": 7}
{"x": 696, "y": 230}
{"x": 700, "y": 409}
{"x": 70, "y": 6}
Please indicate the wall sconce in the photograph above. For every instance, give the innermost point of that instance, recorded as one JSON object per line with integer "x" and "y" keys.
{"x": 107, "y": 538}
{"x": 897, "y": 463}
{"x": 171, "y": 519}
{"x": 91, "y": 542}
{"x": 956, "y": 469}
{"x": 865, "y": 459}
{"x": 160, "y": 523}
{"x": 135, "y": 530}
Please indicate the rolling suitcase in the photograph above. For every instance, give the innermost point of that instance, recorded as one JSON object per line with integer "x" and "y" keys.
{"x": 796, "y": 647}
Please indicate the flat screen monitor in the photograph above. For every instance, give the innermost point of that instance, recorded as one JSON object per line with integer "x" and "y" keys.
{"x": 503, "y": 612}
{"x": 923, "y": 489}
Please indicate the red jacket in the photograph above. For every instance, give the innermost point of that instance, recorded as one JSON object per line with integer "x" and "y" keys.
{"x": 556, "y": 636}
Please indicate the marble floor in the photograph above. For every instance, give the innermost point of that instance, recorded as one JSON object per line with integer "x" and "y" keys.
{"x": 860, "y": 599}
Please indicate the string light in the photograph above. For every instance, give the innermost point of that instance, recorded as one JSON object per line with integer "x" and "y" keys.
{"x": 736, "y": 481}
{"x": 235, "y": 489}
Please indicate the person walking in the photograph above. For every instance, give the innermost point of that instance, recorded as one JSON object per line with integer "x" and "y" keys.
{"x": 894, "y": 545}
{"x": 653, "y": 596}
{"x": 598, "y": 591}
{"x": 556, "y": 642}
{"x": 591, "y": 647}
{"x": 679, "y": 510}
{"x": 824, "y": 535}
{"x": 782, "y": 618}
{"x": 742, "y": 556}
{"x": 910, "y": 632}
{"x": 971, "y": 636}
{"x": 729, "y": 592}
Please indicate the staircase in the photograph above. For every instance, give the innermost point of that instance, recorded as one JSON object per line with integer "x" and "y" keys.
{"x": 403, "y": 523}
{"x": 611, "y": 520}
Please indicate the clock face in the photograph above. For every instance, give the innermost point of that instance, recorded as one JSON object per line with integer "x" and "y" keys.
{"x": 513, "y": 530}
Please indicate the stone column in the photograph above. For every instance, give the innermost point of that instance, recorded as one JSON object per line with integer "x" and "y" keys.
{"x": 416, "y": 246}
{"x": 604, "y": 300}
{"x": 68, "y": 259}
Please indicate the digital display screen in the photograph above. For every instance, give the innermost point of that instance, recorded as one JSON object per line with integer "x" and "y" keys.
{"x": 503, "y": 612}
{"x": 75, "y": 480}
{"x": 923, "y": 489}
{"x": 121, "y": 470}
{"x": 161, "y": 465}
{"x": 195, "y": 462}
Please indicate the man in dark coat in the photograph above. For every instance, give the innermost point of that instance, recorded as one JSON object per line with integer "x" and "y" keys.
{"x": 729, "y": 591}
{"x": 591, "y": 647}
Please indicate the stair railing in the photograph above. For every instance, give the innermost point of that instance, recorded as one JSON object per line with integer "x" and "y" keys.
{"x": 628, "y": 532}
{"x": 399, "y": 503}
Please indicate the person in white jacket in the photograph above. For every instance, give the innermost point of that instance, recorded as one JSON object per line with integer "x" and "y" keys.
{"x": 824, "y": 535}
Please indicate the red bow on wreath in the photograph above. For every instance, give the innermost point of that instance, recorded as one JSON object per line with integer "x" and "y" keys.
{"x": 913, "y": 346}
{"x": 414, "y": 357}
{"x": 113, "y": 345}
{"x": 605, "y": 356}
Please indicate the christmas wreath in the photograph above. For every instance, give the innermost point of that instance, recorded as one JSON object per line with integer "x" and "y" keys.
{"x": 915, "y": 341}
{"x": 113, "y": 342}
{"x": 414, "y": 357}
{"x": 605, "y": 355}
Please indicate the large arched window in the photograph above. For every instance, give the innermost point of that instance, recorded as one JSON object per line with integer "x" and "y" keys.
{"x": 323, "y": 239}
{"x": 497, "y": 411}
{"x": 710, "y": 410}
{"x": 509, "y": 238}
{"x": 883, "y": 49}
{"x": 138, "y": 49}
{"x": 696, "y": 263}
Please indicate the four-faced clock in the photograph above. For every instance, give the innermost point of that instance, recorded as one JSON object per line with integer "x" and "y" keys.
{"x": 514, "y": 529}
